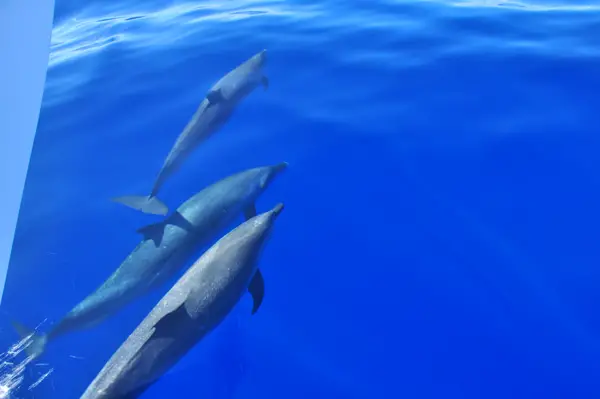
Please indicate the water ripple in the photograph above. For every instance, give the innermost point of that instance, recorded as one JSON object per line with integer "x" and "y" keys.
{"x": 526, "y": 6}
{"x": 447, "y": 30}
{"x": 391, "y": 38}
{"x": 84, "y": 34}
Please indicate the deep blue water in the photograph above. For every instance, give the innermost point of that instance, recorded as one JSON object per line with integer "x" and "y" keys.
{"x": 440, "y": 236}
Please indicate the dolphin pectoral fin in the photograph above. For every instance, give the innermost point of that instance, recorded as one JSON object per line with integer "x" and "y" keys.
{"x": 250, "y": 211}
{"x": 214, "y": 96}
{"x": 153, "y": 232}
{"x": 171, "y": 323}
{"x": 257, "y": 290}
{"x": 265, "y": 82}
{"x": 146, "y": 204}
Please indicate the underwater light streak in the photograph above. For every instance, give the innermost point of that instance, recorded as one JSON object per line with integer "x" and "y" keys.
{"x": 12, "y": 373}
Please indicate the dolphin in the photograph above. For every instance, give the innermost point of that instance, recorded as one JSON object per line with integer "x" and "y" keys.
{"x": 165, "y": 248}
{"x": 214, "y": 110}
{"x": 192, "y": 308}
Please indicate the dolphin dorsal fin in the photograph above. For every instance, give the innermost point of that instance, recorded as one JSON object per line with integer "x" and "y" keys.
{"x": 177, "y": 219}
{"x": 153, "y": 231}
{"x": 214, "y": 96}
{"x": 170, "y": 323}
{"x": 257, "y": 290}
{"x": 250, "y": 211}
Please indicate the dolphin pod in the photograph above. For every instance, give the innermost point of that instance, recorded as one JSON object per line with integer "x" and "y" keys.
{"x": 193, "y": 307}
{"x": 164, "y": 249}
{"x": 214, "y": 110}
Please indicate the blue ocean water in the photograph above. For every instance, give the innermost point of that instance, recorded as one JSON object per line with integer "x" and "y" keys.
{"x": 440, "y": 231}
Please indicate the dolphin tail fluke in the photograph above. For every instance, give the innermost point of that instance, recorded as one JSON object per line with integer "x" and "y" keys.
{"x": 146, "y": 204}
{"x": 36, "y": 347}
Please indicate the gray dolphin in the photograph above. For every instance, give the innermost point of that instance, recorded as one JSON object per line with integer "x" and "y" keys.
{"x": 213, "y": 112}
{"x": 193, "y": 307}
{"x": 164, "y": 250}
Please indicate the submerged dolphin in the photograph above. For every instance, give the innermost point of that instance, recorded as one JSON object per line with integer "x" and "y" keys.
{"x": 193, "y": 307}
{"x": 164, "y": 250}
{"x": 213, "y": 112}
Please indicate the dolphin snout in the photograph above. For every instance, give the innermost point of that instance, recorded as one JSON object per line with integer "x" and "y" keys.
{"x": 277, "y": 209}
{"x": 261, "y": 57}
{"x": 281, "y": 166}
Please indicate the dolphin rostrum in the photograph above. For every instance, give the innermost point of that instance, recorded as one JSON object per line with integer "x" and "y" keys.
{"x": 193, "y": 307}
{"x": 214, "y": 110}
{"x": 164, "y": 250}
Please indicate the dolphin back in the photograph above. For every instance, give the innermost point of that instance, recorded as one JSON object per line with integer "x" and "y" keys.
{"x": 242, "y": 80}
{"x": 193, "y": 307}
{"x": 214, "y": 111}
